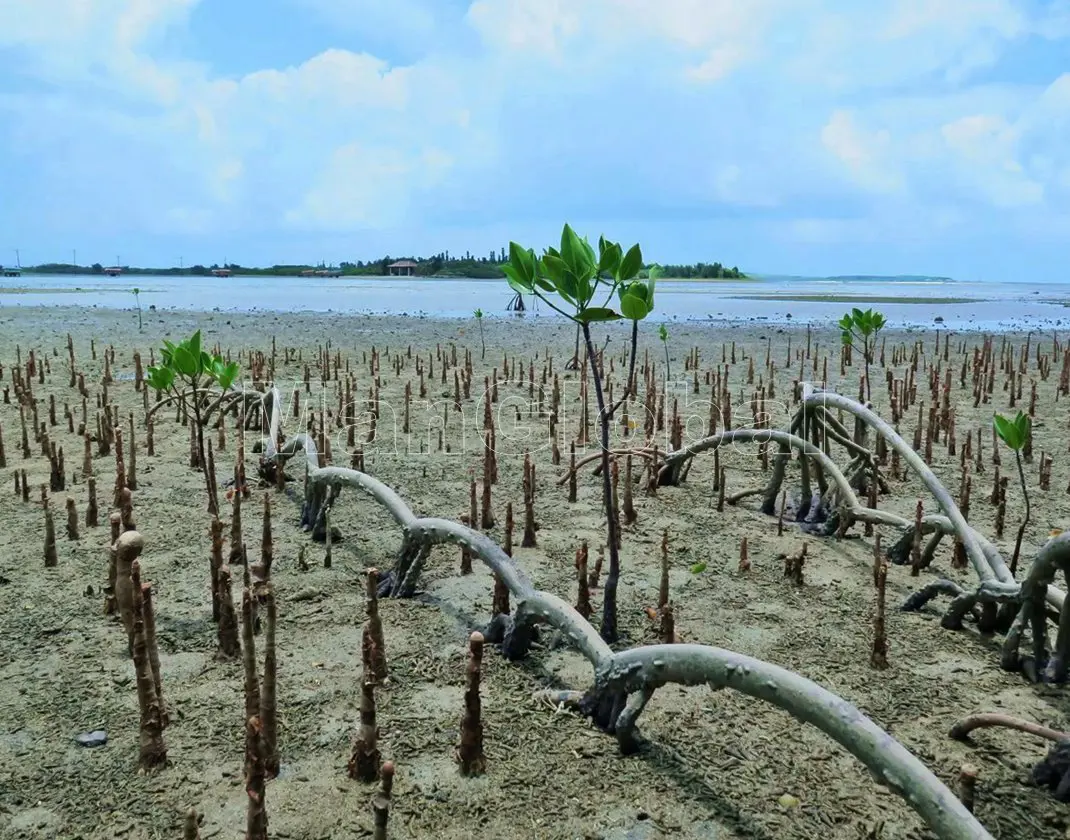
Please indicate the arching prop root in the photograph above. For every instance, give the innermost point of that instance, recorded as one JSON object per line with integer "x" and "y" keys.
{"x": 257, "y": 406}
{"x": 1052, "y": 771}
{"x": 998, "y": 604}
{"x": 997, "y": 593}
{"x": 625, "y": 682}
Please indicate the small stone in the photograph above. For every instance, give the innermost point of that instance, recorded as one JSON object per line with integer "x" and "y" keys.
{"x": 96, "y": 738}
{"x": 788, "y": 802}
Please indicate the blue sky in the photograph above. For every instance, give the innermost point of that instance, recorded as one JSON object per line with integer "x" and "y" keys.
{"x": 782, "y": 136}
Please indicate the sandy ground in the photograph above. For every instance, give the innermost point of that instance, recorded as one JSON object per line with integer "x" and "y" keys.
{"x": 718, "y": 764}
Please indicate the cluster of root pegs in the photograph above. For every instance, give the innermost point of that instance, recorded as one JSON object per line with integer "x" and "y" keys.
{"x": 831, "y": 504}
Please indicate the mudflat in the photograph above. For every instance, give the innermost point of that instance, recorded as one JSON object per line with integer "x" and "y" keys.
{"x": 716, "y": 765}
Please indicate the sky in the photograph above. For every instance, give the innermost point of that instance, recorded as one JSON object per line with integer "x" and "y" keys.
{"x": 807, "y": 137}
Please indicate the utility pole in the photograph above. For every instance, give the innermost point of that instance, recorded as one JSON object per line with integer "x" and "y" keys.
{"x": 74, "y": 256}
{"x": 181, "y": 267}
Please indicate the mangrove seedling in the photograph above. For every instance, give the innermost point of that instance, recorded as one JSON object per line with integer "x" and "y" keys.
{"x": 859, "y": 326}
{"x": 483, "y": 344}
{"x": 568, "y": 279}
{"x": 1015, "y": 433}
{"x": 663, "y": 334}
{"x": 137, "y": 303}
{"x": 185, "y": 373}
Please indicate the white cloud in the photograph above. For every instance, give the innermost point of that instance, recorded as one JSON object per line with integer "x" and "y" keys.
{"x": 594, "y": 108}
{"x": 362, "y": 188}
{"x": 865, "y": 155}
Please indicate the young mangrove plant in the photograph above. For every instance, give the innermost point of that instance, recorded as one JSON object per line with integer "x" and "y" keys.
{"x": 137, "y": 303}
{"x": 482, "y": 343}
{"x": 1015, "y": 433}
{"x": 663, "y": 334}
{"x": 859, "y": 326}
{"x": 186, "y": 373}
{"x": 579, "y": 284}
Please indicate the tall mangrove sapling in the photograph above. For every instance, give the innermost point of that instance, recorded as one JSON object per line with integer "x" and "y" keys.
{"x": 194, "y": 370}
{"x": 857, "y": 325}
{"x": 568, "y": 280}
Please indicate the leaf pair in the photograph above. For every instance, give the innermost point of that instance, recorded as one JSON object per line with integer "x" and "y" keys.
{"x": 1014, "y": 432}
{"x": 637, "y": 297}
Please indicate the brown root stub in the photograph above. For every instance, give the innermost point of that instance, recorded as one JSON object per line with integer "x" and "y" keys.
{"x": 528, "y": 540}
{"x": 268, "y": 705}
{"x": 267, "y": 542}
{"x": 667, "y": 627}
{"x": 51, "y": 558}
{"x": 190, "y": 826}
{"x": 111, "y": 606}
{"x": 227, "y": 629}
{"x": 500, "y": 599}
{"x": 215, "y": 563}
{"x": 252, "y": 676}
{"x": 72, "y": 520}
{"x": 363, "y": 764}
{"x": 583, "y": 596}
{"x": 235, "y": 531}
{"x": 793, "y": 566}
{"x": 126, "y": 510}
{"x": 374, "y": 645}
{"x": 470, "y": 756}
{"x": 627, "y": 503}
{"x": 127, "y": 549}
{"x": 381, "y": 801}
{"x": 152, "y": 751}
{"x": 91, "y": 511}
{"x": 148, "y": 614}
{"x": 968, "y": 786}
{"x": 256, "y": 821}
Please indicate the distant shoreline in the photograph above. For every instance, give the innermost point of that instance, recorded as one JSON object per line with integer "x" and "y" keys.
{"x": 172, "y": 274}
{"x": 847, "y": 298}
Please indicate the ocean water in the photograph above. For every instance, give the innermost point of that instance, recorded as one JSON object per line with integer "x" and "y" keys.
{"x": 904, "y": 302}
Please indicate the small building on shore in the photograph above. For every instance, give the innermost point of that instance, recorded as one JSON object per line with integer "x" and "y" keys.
{"x": 402, "y": 268}
{"x": 221, "y": 272}
{"x": 113, "y": 270}
{"x": 11, "y": 271}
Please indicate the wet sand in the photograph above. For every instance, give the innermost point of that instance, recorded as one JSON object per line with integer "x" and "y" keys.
{"x": 718, "y": 764}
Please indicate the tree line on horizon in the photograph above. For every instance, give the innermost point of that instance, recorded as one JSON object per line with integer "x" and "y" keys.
{"x": 443, "y": 264}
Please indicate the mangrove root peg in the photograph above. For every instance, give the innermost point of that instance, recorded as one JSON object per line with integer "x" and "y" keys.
{"x": 470, "y": 749}
{"x": 256, "y": 821}
{"x": 190, "y": 827}
{"x": 127, "y": 549}
{"x": 381, "y": 802}
{"x": 364, "y": 759}
{"x": 152, "y": 751}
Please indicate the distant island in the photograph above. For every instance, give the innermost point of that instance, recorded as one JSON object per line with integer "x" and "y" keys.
{"x": 893, "y": 278}
{"x": 439, "y": 265}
